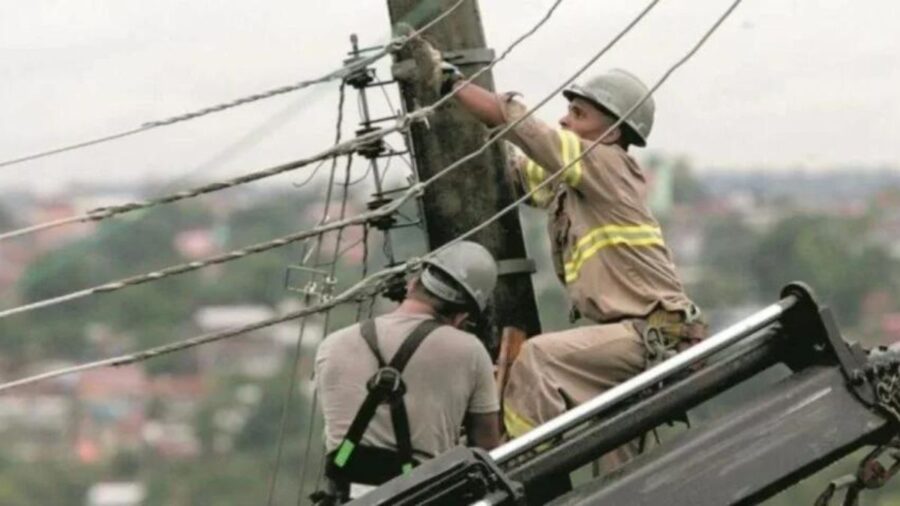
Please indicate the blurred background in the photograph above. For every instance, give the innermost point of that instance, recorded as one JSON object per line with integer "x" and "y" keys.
{"x": 774, "y": 158}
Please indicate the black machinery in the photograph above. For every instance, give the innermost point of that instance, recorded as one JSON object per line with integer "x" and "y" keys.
{"x": 838, "y": 398}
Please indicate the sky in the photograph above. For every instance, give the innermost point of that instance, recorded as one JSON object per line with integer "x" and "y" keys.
{"x": 783, "y": 84}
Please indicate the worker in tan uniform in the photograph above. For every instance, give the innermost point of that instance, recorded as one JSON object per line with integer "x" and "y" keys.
{"x": 608, "y": 248}
{"x": 396, "y": 390}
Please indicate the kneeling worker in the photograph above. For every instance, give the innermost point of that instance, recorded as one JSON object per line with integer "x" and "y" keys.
{"x": 397, "y": 389}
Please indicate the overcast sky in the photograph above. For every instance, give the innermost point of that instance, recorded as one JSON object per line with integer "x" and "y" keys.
{"x": 784, "y": 83}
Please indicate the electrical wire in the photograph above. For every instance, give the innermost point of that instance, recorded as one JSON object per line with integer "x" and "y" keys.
{"x": 325, "y": 329}
{"x": 414, "y": 190}
{"x": 377, "y": 279}
{"x": 341, "y": 73}
{"x": 402, "y": 124}
{"x": 348, "y": 295}
{"x": 298, "y": 350}
{"x": 721, "y": 19}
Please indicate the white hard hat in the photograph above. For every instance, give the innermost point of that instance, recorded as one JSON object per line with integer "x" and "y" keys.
{"x": 617, "y": 91}
{"x": 469, "y": 265}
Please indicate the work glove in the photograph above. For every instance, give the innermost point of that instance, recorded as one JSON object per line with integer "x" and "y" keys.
{"x": 427, "y": 66}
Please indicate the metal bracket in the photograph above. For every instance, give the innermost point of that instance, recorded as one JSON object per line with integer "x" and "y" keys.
{"x": 509, "y": 266}
{"x": 463, "y": 57}
{"x": 323, "y": 290}
{"x": 406, "y": 70}
{"x": 809, "y": 318}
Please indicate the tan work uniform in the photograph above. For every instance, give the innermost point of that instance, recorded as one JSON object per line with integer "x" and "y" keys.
{"x": 609, "y": 251}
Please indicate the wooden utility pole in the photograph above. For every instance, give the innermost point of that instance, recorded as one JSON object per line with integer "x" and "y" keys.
{"x": 477, "y": 190}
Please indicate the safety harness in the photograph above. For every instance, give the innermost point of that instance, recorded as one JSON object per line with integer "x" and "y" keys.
{"x": 663, "y": 332}
{"x": 352, "y": 462}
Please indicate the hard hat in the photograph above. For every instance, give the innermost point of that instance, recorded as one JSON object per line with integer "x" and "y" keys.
{"x": 470, "y": 265}
{"x": 618, "y": 91}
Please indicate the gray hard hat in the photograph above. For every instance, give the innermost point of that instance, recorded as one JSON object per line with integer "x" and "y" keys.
{"x": 617, "y": 91}
{"x": 470, "y": 265}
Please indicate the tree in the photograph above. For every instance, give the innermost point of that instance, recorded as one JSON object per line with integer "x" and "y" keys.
{"x": 830, "y": 254}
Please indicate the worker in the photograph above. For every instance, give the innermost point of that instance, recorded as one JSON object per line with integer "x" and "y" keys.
{"x": 398, "y": 389}
{"x": 607, "y": 247}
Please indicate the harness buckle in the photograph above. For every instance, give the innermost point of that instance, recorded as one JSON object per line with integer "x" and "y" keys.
{"x": 388, "y": 381}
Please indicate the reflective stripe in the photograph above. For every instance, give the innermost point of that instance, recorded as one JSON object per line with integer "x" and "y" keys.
{"x": 516, "y": 424}
{"x": 534, "y": 176}
{"x": 343, "y": 453}
{"x": 571, "y": 149}
{"x": 610, "y": 235}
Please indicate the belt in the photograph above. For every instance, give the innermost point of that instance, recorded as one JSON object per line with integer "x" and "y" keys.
{"x": 688, "y": 324}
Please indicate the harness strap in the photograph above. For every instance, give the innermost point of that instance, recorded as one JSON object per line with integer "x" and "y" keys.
{"x": 367, "y": 328}
{"x": 380, "y": 392}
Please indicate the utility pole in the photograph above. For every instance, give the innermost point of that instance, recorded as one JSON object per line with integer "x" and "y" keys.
{"x": 477, "y": 190}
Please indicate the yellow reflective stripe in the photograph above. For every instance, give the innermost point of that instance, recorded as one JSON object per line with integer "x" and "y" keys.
{"x": 516, "y": 424}
{"x": 610, "y": 235}
{"x": 611, "y": 230}
{"x": 534, "y": 176}
{"x": 571, "y": 149}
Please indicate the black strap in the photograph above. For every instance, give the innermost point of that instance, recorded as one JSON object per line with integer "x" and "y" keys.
{"x": 385, "y": 386}
{"x": 367, "y": 328}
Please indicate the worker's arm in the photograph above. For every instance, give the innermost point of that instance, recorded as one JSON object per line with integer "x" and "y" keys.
{"x": 483, "y": 429}
{"x": 481, "y": 103}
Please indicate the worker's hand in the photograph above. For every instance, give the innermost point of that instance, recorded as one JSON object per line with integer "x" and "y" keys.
{"x": 427, "y": 67}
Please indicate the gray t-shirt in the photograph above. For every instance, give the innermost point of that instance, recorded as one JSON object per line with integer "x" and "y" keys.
{"x": 449, "y": 375}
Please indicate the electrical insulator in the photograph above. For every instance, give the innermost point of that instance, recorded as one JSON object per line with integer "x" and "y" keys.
{"x": 361, "y": 77}
{"x": 382, "y": 223}
{"x": 395, "y": 288}
{"x": 372, "y": 149}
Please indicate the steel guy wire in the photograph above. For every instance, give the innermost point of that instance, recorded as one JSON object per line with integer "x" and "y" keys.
{"x": 415, "y": 190}
{"x": 344, "y": 71}
{"x": 298, "y": 351}
{"x": 350, "y": 294}
{"x": 402, "y": 124}
{"x": 721, "y": 19}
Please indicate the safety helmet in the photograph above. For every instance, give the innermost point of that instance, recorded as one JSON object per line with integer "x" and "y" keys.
{"x": 470, "y": 265}
{"x": 618, "y": 91}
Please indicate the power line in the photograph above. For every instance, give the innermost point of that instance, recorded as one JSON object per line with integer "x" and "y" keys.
{"x": 286, "y": 403}
{"x": 218, "y": 259}
{"x": 721, "y": 19}
{"x": 339, "y": 148}
{"x": 103, "y": 213}
{"x": 341, "y": 73}
{"x": 385, "y": 274}
{"x": 347, "y": 295}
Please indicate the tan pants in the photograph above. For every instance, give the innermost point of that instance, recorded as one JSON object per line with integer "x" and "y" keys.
{"x": 557, "y": 371}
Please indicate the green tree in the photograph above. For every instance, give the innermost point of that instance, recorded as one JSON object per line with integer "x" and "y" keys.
{"x": 830, "y": 254}
{"x": 728, "y": 250}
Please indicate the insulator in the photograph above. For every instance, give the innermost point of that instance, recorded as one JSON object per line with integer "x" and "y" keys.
{"x": 372, "y": 149}
{"x": 382, "y": 223}
{"x": 395, "y": 288}
{"x": 361, "y": 77}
